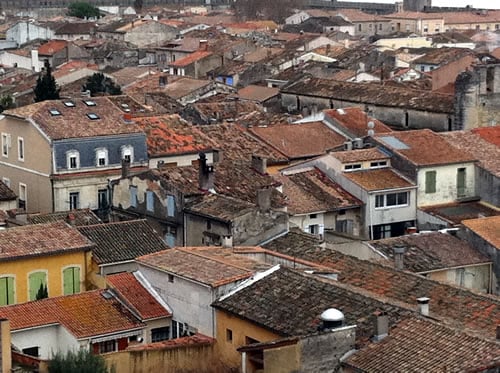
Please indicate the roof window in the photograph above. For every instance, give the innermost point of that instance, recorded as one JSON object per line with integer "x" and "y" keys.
{"x": 90, "y": 103}
{"x": 54, "y": 112}
{"x": 69, "y": 104}
{"x": 92, "y": 116}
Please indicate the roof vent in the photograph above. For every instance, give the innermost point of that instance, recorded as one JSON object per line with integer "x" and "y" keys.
{"x": 341, "y": 111}
{"x": 332, "y": 318}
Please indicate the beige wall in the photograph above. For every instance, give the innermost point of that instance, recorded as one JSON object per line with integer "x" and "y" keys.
{"x": 5, "y": 345}
{"x": 473, "y": 277}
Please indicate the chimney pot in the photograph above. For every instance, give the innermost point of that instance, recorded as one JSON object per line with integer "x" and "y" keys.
{"x": 399, "y": 252}
{"x": 259, "y": 164}
{"x": 381, "y": 325}
{"x": 205, "y": 174}
{"x": 423, "y": 305}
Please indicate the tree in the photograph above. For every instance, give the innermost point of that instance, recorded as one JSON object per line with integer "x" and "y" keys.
{"x": 81, "y": 361}
{"x": 46, "y": 87}
{"x": 6, "y": 102}
{"x": 82, "y": 9}
{"x": 43, "y": 292}
{"x": 99, "y": 83}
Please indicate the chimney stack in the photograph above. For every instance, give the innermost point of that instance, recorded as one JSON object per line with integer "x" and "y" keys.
{"x": 203, "y": 45}
{"x": 259, "y": 164}
{"x": 205, "y": 174}
{"x": 264, "y": 199}
{"x": 381, "y": 325}
{"x": 125, "y": 168}
{"x": 399, "y": 253}
{"x": 423, "y": 306}
{"x": 227, "y": 241}
{"x": 71, "y": 219}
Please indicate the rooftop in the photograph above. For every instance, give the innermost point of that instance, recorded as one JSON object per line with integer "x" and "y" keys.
{"x": 355, "y": 121}
{"x": 490, "y": 134}
{"x": 122, "y": 241}
{"x": 182, "y": 342}
{"x": 188, "y": 60}
{"x": 220, "y": 207}
{"x": 487, "y": 228}
{"x": 440, "y": 56}
{"x": 257, "y": 93}
{"x": 52, "y": 47}
{"x": 378, "y": 179}
{"x": 82, "y": 217}
{"x": 472, "y": 17}
{"x": 360, "y": 155}
{"x": 454, "y": 213}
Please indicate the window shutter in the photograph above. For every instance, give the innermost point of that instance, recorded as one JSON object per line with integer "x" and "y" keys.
{"x": 4, "y": 291}
{"x": 430, "y": 182}
{"x": 71, "y": 280}
{"x": 149, "y": 201}
{"x": 35, "y": 279}
{"x": 170, "y": 206}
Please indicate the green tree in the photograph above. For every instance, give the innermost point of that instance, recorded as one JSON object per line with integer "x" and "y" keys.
{"x": 6, "y": 102}
{"x": 46, "y": 87}
{"x": 98, "y": 83}
{"x": 82, "y": 9}
{"x": 43, "y": 292}
{"x": 81, "y": 361}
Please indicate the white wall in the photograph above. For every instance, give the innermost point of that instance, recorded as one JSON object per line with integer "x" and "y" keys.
{"x": 50, "y": 339}
{"x": 11, "y": 59}
{"x": 23, "y": 32}
{"x": 87, "y": 187}
{"x": 181, "y": 160}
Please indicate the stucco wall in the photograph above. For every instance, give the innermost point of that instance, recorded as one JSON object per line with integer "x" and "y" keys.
{"x": 488, "y": 186}
{"x": 150, "y": 34}
{"x": 471, "y": 277}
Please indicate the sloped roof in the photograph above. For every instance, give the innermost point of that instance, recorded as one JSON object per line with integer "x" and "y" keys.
{"x": 6, "y": 194}
{"x": 220, "y": 207}
{"x": 191, "y": 58}
{"x": 52, "y": 47}
{"x": 355, "y": 121}
{"x": 122, "y": 241}
{"x": 490, "y": 134}
{"x": 359, "y": 155}
{"x": 91, "y": 313}
{"x": 257, "y": 93}
{"x": 378, "y": 179}
{"x": 487, "y": 228}
{"x": 440, "y": 56}
{"x": 82, "y": 217}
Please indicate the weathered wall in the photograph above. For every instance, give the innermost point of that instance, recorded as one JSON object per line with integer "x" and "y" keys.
{"x": 5, "y": 347}
{"x": 150, "y": 34}
{"x": 475, "y": 277}
{"x": 448, "y": 73}
{"x": 487, "y": 186}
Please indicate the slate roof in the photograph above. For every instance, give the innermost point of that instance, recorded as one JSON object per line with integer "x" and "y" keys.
{"x": 431, "y": 251}
{"x": 422, "y": 345}
{"x": 375, "y": 94}
{"x": 127, "y": 286}
{"x": 41, "y": 240}
{"x": 354, "y": 121}
{"x": 172, "y": 135}
{"x": 220, "y": 207}
{"x": 122, "y": 241}
{"x": 487, "y": 228}
{"x": 257, "y": 93}
{"x": 360, "y": 155}
{"x": 6, "y": 194}
{"x": 82, "y": 217}
{"x": 378, "y": 179}
{"x": 312, "y": 191}
{"x": 73, "y": 122}
{"x": 424, "y": 148}
{"x": 196, "y": 264}
{"x": 463, "y": 308}
{"x": 300, "y": 140}
{"x": 91, "y": 313}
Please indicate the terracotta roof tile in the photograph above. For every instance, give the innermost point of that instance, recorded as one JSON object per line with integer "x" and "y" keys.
{"x": 40, "y": 240}
{"x": 440, "y": 56}
{"x": 487, "y": 228}
{"x": 220, "y": 207}
{"x": 355, "y": 121}
{"x": 413, "y": 15}
{"x": 52, "y": 47}
{"x": 84, "y": 315}
{"x": 183, "y": 342}
{"x": 378, "y": 179}
{"x": 176, "y": 88}
{"x": 82, "y": 217}
{"x": 359, "y": 155}
{"x": 129, "y": 288}
{"x": 257, "y": 93}
{"x": 188, "y": 60}
{"x": 490, "y": 134}
{"x": 472, "y": 17}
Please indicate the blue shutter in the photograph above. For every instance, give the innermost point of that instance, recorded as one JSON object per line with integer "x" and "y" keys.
{"x": 150, "y": 201}
{"x": 133, "y": 196}
{"x": 170, "y": 205}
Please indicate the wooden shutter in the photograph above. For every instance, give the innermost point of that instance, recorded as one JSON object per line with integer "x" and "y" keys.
{"x": 6, "y": 291}
{"x": 71, "y": 280}
{"x": 430, "y": 182}
{"x": 35, "y": 279}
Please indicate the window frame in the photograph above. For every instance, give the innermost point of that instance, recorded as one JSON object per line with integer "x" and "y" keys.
{"x": 157, "y": 334}
{"x": 382, "y": 200}
{"x": 72, "y": 154}
{"x": 6, "y": 277}
{"x": 74, "y": 205}
{"x": 46, "y": 283}
{"x": 127, "y": 150}
{"x": 101, "y": 153}
{"x": 77, "y": 288}
{"x": 5, "y": 145}
{"x": 133, "y": 195}
{"x": 23, "y": 203}
{"x": 20, "y": 149}
{"x": 428, "y": 188}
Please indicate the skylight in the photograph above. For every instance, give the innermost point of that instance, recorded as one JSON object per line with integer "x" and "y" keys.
{"x": 90, "y": 103}
{"x": 93, "y": 116}
{"x": 394, "y": 142}
{"x": 69, "y": 104}
{"x": 54, "y": 112}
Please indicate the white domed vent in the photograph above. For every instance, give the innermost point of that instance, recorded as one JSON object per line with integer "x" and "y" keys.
{"x": 332, "y": 318}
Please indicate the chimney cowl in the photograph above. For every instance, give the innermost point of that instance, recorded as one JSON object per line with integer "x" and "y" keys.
{"x": 423, "y": 305}
{"x": 332, "y": 318}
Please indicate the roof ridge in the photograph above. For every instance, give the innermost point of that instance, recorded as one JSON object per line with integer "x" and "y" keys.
{"x": 186, "y": 250}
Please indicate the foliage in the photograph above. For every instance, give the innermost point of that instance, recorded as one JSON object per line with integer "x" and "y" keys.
{"x": 82, "y": 9}
{"x": 6, "y": 102}
{"x": 42, "y": 293}
{"x": 276, "y": 10}
{"x": 46, "y": 86}
{"x": 99, "y": 83}
{"x": 82, "y": 361}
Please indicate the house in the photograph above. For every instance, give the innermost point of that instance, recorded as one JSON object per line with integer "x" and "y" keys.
{"x": 58, "y": 52}
{"x": 117, "y": 245}
{"x": 60, "y": 154}
{"x": 474, "y": 19}
{"x": 190, "y": 291}
{"x": 76, "y": 31}
{"x": 365, "y": 23}
{"x": 25, "y": 31}
{"x": 442, "y": 172}
{"x": 53, "y": 256}
{"x": 8, "y": 199}
{"x": 196, "y": 64}
{"x": 266, "y": 96}
{"x": 440, "y": 256}
{"x": 316, "y": 203}
{"x": 416, "y": 22}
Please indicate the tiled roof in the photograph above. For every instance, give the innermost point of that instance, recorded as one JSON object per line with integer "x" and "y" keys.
{"x": 122, "y": 241}
{"x": 376, "y": 94}
{"x": 378, "y": 179}
{"x": 220, "y": 207}
{"x": 41, "y": 240}
{"x": 300, "y": 140}
{"x": 257, "y": 93}
{"x": 170, "y": 134}
{"x": 130, "y": 74}
{"x": 222, "y": 111}
{"x": 6, "y": 194}
{"x": 487, "y": 153}
{"x": 413, "y": 15}
{"x": 487, "y": 228}
{"x": 194, "y": 264}
{"x": 91, "y": 313}
{"x": 440, "y": 56}
{"x": 355, "y": 121}
{"x": 344, "y": 75}
{"x": 76, "y": 28}
{"x": 360, "y": 155}
{"x": 82, "y": 217}
{"x": 290, "y": 303}
{"x": 472, "y": 17}
{"x": 424, "y": 148}
{"x": 52, "y": 47}
{"x": 183, "y": 342}
{"x": 312, "y": 191}
{"x": 143, "y": 302}
{"x": 188, "y": 60}
{"x": 490, "y": 134}
{"x": 421, "y": 345}
{"x": 463, "y": 308}
{"x": 431, "y": 251}
{"x": 356, "y": 15}
{"x": 454, "y": 213}
{"x": 73, "y": 122}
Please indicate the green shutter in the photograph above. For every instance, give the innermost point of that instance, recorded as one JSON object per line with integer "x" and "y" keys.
{"x": 430, "y": 182}
{"x": 35, "y": 279}
{"x": 6, "y": 291}
{"x": 71, "y": 280}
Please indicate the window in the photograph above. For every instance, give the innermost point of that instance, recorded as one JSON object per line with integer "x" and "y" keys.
{"x": 497, "y": 27}
{"x": 102, "y": 199}
{"x": 391, "y": 200}
{"x": 169, "y": 239}
{"x": 101, "y": 157}
{"x": 170, "y": 205}
{"x": 69, "y": 104}
{"x": 5, "y": 144}
{"x": 378, "y": 164}
{"x": 349, "y": 167}
{"x": 430, "y": 182}
{"x": 461, "y": 182}
{"x": 128, "y": 153}
{"x": 107, "y": 346}
{"x": 160, "y": 334}
{"x": 6, "y": 181}
{"x": 74, "y": 200}
{"x": 22, "y": 196}
{"x": 344, "y": 226}
{"x": 359, "y": 27}
{"x": 229, "y": 335}
{"x": 313, "y": 216}
{"x": 54, "y": 112}
{"x": 380, "y": 26}
{"x": 73, "y": 159}
{"x": 170, "y": 278}
{"x": 133, "y": 195}
{"x": 7, "y": 291}
{"x": 89, "y": 103}
{"x": 37, "y": 282}
{"x": 71, "y": 280}
{"x": 209, "y": 225}
{"x": 314, "y": 229}
{"x": 150, "y": 201}
{"x": 20, "y": 149}
{"x": 177, "y": 329}
{"x": 93, "y": 116}
{"x": 31, "y": 351}
{"x": 426, "y": 28}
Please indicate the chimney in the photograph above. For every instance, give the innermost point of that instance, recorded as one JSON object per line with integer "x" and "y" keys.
{"x": 227, "y": 241}
{"x": 381, "y": 326}
{"x": 205, "y": 174}
{"x": 423, "y": 306}
{"x": 399, "y": 252}
{"x": 217, "y": 155}
{"x": 203, "y": 45}
{"x": 125, "y": 168}
{"x": 70, "y": 219}
{"x": 127, "y": 118}
{"x": 411, "y": 230}
{"x": 264, "y": 199}
{"x": 259, "y": 164}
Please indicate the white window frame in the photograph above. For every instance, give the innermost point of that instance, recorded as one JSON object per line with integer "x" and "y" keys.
{"x": 72, "y": 154}
{"x": 384, "y": 200}
{"x": 20, "y": 149}
{"x": 101, "y": 153}
{"x": 74, "y": 206}
{"x": 5, "y": 144}
{"x": 24, "y": 187}
{"x": 128, "y": 150}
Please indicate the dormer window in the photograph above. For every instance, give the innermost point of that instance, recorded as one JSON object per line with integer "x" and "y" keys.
{"x": 128, "y": 153}
{"x": 73, "y": 159}
{"x": 90, "y": 103}
{"x": 54, "y": 112}
{"x": 101, "y": 157}
{"x": 92, "y": 116}
{"x": 378, "y": 164}
{"x": 352, "y": 167}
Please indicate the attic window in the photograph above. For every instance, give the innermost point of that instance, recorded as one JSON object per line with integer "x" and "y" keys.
{"x": 90, "y": 103}
{"x": 54, "y": 112}
{"x": 69, "y": 104}
{"x": 93, "y": 116}
{"x": 352, "y": 167}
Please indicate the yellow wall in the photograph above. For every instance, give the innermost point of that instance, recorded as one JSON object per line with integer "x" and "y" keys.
{"x": 282, "y": 359}
{"x": 53, "y": 264}
{"x": 226, "y": 350}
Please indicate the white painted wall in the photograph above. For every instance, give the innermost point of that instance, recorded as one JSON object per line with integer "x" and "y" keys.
{"x": 50, "y": 339}
{"x": 25, "y": 31}
{"x": 181, "y": 160}
{"x": 24, "y": 62}
{"x": 87, "y": 187}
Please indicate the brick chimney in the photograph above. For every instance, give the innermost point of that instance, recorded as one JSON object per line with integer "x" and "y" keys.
{"x": 205, "y": 174}
{"x": 399, "y": 253}
{"x": 381, "y": 326}
{"x": 125, "y": 168}
{"x": 203, "y": 46}
{"x": 264, "y": 199}
{"x": 259, "y": 164}
{"x": 423, "y": 306}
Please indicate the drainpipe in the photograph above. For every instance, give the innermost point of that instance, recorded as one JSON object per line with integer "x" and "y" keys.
{"x": 243, "y": 362}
